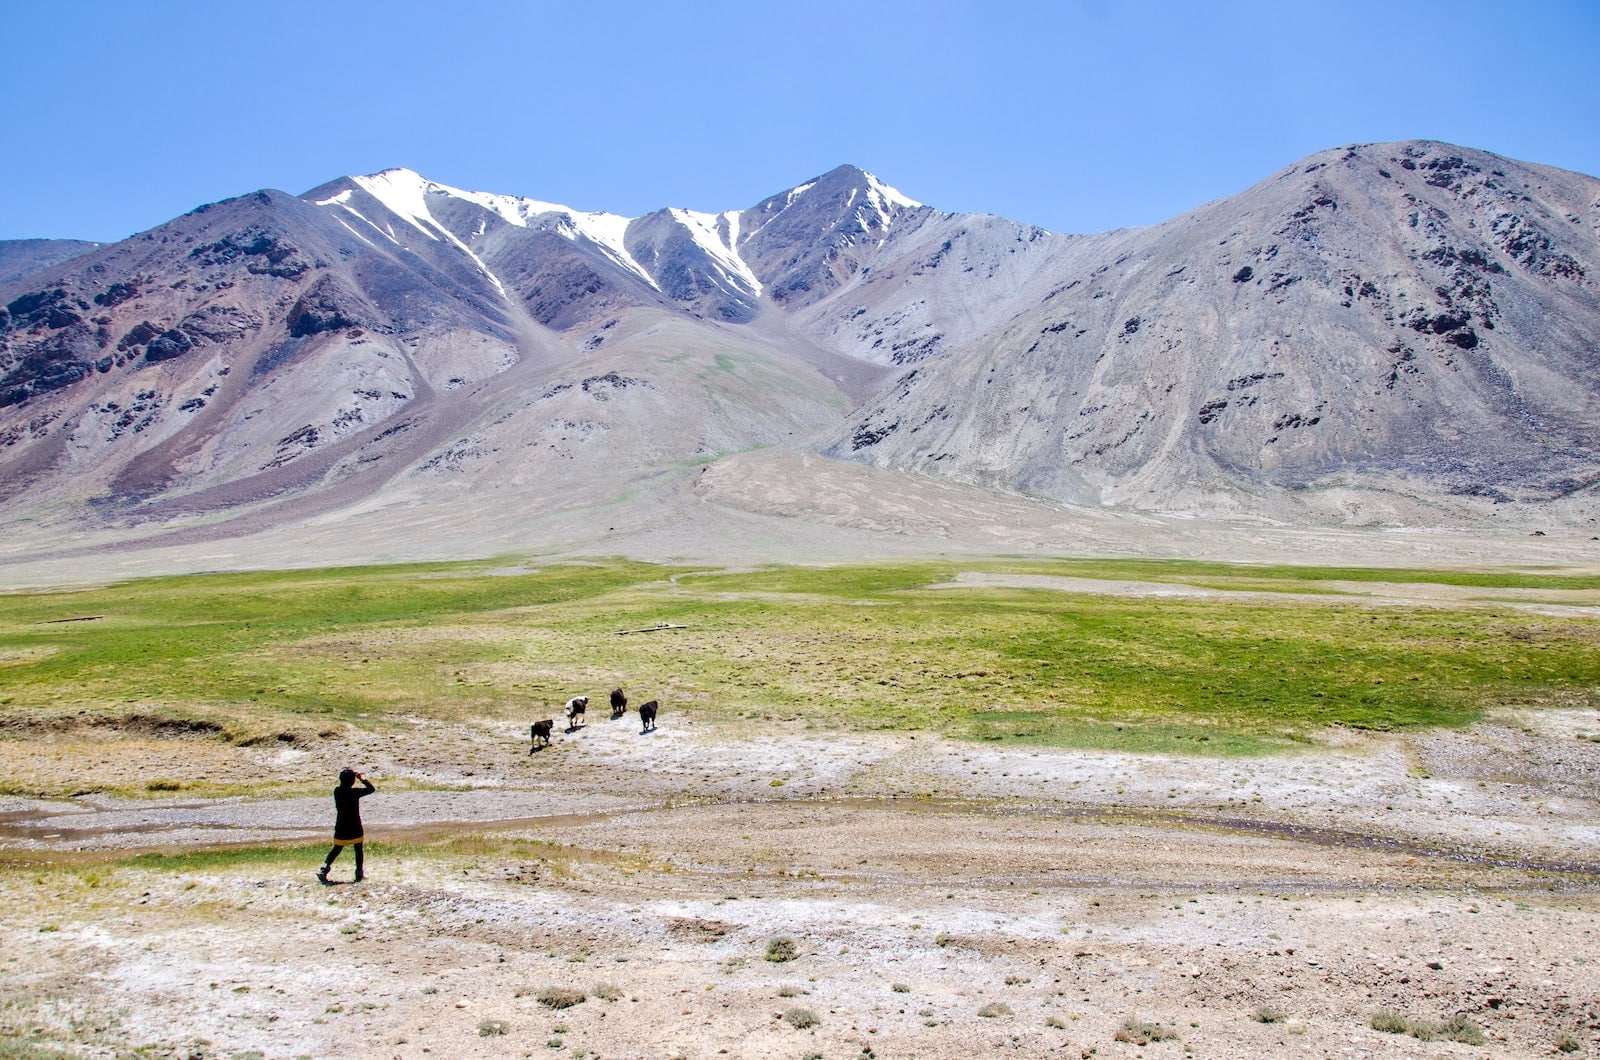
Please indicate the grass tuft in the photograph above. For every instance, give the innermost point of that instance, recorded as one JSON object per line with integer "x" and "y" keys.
{"x": 1455, "y": 1028}
{"x": 557, "y": 997}
{"x": 1139, "y": 1032}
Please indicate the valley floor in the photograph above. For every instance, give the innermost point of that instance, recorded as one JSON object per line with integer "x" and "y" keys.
{"x": 943, "y": 899}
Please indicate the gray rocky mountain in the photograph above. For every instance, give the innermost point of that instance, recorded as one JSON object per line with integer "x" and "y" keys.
{"x": 1375, "y": 328}
{"x": 19, "y": 257}
{"x": 1396, "y": 333}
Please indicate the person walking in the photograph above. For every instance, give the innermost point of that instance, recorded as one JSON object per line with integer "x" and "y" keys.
{"x": 347, "y": 820}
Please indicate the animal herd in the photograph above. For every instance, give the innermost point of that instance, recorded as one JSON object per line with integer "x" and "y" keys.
{"x": 578, "y": 707}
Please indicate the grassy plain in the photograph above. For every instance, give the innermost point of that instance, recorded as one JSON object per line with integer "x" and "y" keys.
{"x": 257, "y": 656}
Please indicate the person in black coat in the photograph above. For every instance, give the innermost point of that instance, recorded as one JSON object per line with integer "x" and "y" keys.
{"x": 347, "y": 820}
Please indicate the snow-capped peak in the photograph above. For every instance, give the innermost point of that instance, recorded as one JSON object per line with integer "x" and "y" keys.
{"x": 405, "y": 193}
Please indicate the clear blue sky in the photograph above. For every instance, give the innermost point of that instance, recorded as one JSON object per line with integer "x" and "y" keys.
{"x": 1078, "y": 115}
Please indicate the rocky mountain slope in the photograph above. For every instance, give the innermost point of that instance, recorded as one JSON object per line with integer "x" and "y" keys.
{"x": 1383, "y": 333}
{"x": 1376, "y": 329}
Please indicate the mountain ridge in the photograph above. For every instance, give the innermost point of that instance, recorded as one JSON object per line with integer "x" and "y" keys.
{"x": 1392, "y": 333}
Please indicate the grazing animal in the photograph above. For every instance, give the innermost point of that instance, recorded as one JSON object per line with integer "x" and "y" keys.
{"x": 574, "y": 710}
{"x": 540, "y": 730}
{"x": 647, "y": 715}
{"x": 619, "y": 703}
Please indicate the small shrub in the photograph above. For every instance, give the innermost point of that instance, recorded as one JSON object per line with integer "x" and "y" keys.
{"x": 993, "y": 1009}
{"x": 606, "y": 991}
{"x": 1455, "y": 1029}
{"x": 790, "y": 990}
{"x": 1566, "y": 1043}
{"x": 164, "y": 785}
{"x": 1017, "y": 980}
{"x": 1390, "y": 1022}
{"x": 781, "y": 950}
{"x": 557, "y": 997}
{"x": 900, "y": 988}
{"x": 1056, "y": 1022}
{"x": 942, "y": 939}
{"x": 1459, "y": 1029}
{"x": 801, "y": 1018}
{"x": 1268, "y": 1014}
{"x": 1141, "y": 1033}
{"x": 492, "y": 1028}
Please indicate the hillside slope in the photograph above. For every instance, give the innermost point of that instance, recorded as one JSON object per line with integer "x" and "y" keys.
{"x": 1410, "y": 321}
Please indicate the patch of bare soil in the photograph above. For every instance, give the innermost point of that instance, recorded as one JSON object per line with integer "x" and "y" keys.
{"x": 784, "y": 892}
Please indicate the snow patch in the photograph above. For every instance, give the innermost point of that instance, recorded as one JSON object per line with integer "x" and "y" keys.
{"x": 886, "y": 194}
{"x": 605, "y": 230}
{"x": 718, "y": 236}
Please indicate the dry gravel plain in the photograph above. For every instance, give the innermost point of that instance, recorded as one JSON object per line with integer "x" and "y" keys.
{"x": 943, "y": 899}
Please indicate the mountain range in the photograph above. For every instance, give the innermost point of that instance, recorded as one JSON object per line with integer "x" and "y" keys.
{"x": 1380, "y": 335}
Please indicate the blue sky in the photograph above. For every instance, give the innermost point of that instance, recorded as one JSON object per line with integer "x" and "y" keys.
{"x": 1079, "y": 115}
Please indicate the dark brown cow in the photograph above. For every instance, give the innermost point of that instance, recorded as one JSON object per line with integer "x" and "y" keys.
{"x": 540, "y": 730}
{"x": 619, "y": 703}
{"x": 647, "y": 715}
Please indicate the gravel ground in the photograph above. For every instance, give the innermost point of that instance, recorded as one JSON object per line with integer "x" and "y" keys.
{"x": 944, "y": 899}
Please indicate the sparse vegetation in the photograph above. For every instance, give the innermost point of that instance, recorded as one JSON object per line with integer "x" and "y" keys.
{"x": 781, "y": 950}
{"x": 606, "y": 991}
{"x": 1139, "y": 1032}
{"x": 1269, "y": 1014}
{"x": 558, "y": 998}
{"x": 1566, "y": 1043}
{"x": 994, "y": 1009}
{"x": 801, "y": 1018}
{"x": 1456, "y": 1028}
{"x": 492, "y": 1028}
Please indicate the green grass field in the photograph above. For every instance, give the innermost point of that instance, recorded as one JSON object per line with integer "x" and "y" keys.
{"x": 863, "y": 647}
